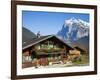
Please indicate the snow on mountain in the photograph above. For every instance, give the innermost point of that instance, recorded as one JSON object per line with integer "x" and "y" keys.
{"x": 74, "y": 29}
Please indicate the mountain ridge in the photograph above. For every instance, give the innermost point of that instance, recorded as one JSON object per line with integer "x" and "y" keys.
{"x": 74, "y": 29}
{"x": 75, "y": 32}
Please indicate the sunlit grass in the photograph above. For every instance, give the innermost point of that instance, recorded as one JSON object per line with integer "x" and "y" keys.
{"x": 84, "y": 60}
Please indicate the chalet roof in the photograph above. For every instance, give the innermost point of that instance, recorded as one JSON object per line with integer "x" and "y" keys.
{"x": 34, "y": 41}
{"x": 80, "y": 49}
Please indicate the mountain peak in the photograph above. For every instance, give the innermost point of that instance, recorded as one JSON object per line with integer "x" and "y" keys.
{"x": 74, "y": 29}
{"x": 71, "y": 21}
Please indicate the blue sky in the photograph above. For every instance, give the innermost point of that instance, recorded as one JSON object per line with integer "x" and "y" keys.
{"x": 48, "y": 22}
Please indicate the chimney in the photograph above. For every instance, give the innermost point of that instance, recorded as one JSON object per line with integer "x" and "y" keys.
{"x": 38, "y": 34}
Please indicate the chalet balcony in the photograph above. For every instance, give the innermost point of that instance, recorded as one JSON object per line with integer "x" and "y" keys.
{"x": 50, "y": 51}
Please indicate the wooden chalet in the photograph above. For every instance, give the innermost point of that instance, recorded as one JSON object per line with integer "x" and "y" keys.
{"x": 80, "y": 49}
{"x": 45, "y": 49}
{"x": 42, "y": 49}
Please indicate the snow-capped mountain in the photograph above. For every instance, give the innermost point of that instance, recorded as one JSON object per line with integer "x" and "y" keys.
{"x": 74, "y": 29}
